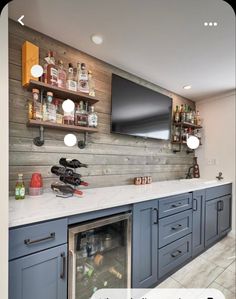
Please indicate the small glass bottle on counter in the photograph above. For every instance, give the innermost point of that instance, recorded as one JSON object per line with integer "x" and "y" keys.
{"x": 81, "y": 115}
{"x": 61, "y": 82}
{"x": 92, "y": 118}
{"x": 20, "y": 187}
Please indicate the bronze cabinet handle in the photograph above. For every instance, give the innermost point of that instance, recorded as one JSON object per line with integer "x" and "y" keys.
{"x": 176, "y": 253}
{"x": 63, "y": 267}
{"x": 156, "y": 221}
{"x": 178, "y": 226}
{"x": 50, "y": 237}
{"x": 176, "y": 205}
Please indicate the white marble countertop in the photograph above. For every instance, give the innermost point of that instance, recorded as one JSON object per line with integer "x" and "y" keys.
{"x": 48, "y": 206}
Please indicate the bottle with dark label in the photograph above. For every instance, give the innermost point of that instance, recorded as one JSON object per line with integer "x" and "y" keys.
{"x": 176, "y": 115}
{"x": 72, "y": 163}
{"x": 196, "y": 171}
{"x": 73, "y": 180}
{"x": 58, "y": 170}
{"x": 81, "y": 115}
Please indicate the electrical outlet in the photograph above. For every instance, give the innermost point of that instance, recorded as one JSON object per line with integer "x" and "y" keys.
{"x": 211, "y": 161}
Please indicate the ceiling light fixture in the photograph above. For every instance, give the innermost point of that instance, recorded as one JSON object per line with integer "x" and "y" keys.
{"x": 187, "y": 87}
{"x": 97, "y": 39}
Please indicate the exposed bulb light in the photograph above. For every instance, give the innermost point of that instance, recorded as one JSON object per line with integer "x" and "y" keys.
{"x": 36, "y": 71}
{"x": 193, "y": 142}
{"x": 68, "y": 106}
{"x": 70, "y": 140}
{"x": 187, "y": 87}
{"x": 97, "y": 39}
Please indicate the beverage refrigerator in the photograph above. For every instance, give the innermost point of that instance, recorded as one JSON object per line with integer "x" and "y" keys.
{"x": 99, "y": 256}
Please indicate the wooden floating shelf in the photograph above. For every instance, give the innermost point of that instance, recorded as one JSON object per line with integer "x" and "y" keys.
{"x": 38, "y": 123}
{"x": 187, "y": 125}
{"x": 61, "y": 93}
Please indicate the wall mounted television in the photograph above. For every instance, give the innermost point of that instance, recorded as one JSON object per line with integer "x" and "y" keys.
{"x": 139, "y": 111}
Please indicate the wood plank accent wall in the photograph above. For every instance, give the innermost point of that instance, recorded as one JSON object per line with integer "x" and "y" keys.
{"x": 113, "y": 159}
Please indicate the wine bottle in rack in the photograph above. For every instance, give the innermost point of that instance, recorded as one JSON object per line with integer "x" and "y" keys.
{"x": 72, "y": 163}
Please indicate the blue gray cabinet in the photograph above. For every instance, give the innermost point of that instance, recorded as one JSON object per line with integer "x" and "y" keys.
{"x": 217, "y": 214}
{"x": 39, "y": 275}
{"x": 198, "y": 229}
{"x": 145, "y": 249}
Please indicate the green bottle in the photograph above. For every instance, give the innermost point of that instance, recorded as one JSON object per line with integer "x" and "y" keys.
{"x": 20, "y": 187}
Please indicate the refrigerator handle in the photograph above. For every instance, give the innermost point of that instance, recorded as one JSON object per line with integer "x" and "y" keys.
{"x": 71, "y": 282}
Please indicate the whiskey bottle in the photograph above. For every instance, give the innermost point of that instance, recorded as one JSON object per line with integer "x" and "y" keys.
{"x": 81, "y": 115}
{"x": 70, "y": 83}
{"x": 52, "y": 71}
{"x": 177, "y": 115}
{"x": 83, "y": 79}
{"x": 92, "y": 118}
{"x": 61, "y": 82}
{"x": 91, "y": 84}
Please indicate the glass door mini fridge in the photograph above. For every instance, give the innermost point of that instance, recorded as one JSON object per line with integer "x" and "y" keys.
{"x": 99, "y": 256}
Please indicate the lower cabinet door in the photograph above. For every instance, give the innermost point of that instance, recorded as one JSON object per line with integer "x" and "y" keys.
{"x": 225, "y": 215}
{"x": 198, "y": 221}
{"x": 144, "y": 247}
{"x": 174, "y": 254}
{"x": 211, "y": 221}
{"x": 41, "y": 275}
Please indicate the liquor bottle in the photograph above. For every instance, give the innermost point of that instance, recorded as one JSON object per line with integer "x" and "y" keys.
{"x": 58, "y": 170}
{"x": 185, "y": 117}
{"x": 81, "y": 115}
{"x": 182, "y": 114}
{"x": 52, "y": 71}
{"x": 91, "y": 84}
{"x": 59, "y": 111}
{"x": 65, "y": 189}
{"x": 47, "y": 59}
{"x": 49, "y": 109}
{"x": 70, "y": 83}
{"x": 73, "y": 180}
{"x": 72, "y": 163}
{"x": 92, "y": 118}
{"x": 196, "y": 171}
{"x": 177, "y": 115}
{"x": 83, "y": 79}
{"x": 61, "y": 82}
{"x": 20, "y": 187}
{"x": 198, "y": 119}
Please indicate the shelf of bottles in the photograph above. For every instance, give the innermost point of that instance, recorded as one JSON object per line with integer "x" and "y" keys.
{"x": 186, "y": 122}
{"x": 61, "y": 93}
{"x": 72, "y": 128}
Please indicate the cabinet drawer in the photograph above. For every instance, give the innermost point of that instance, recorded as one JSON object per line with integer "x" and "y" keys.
{"x": 173, "y": 255}
{"x": 218, "y": 191}
{"x": 174, "y": 204}
{"x": 174, "y": 227}
{"x": 37, "y": 237}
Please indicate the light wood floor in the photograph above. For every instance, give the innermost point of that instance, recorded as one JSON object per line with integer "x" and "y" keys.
{"x": 215, "y": 268}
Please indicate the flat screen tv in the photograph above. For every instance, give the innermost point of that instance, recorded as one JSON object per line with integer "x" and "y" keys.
{"x": 139, "y": 111}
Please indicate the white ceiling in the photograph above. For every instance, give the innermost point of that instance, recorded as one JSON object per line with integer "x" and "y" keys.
{"x": 162, "y": 41}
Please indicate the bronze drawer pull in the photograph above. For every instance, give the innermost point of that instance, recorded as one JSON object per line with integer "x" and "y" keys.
{"x": 176, "y": 253}
{"x": 176, "y": 205}
{"x": 63, "y": 271}
{"x": 50, "y": 237}
{"x": 178, "y": 226}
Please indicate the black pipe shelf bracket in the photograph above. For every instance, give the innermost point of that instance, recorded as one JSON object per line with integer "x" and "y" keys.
{"x": 83, "y": 143}
{"x": 39, "y": 141}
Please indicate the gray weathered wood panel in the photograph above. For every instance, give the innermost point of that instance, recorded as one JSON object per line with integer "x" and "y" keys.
{"x": 113, "y": 159}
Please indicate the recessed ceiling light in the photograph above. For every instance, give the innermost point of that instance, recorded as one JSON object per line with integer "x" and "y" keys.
{"x": 97, "y": 39}
{"x": 187, "y": 87}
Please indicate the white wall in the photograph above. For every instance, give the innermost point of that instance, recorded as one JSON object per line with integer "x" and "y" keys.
{"x": 218, "y": 150}
{"x": 4, "y": 154}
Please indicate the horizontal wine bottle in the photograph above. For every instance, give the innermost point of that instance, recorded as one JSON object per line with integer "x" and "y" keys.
{"x": 72, "y": 163}
{"x": 58, "y": 170}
